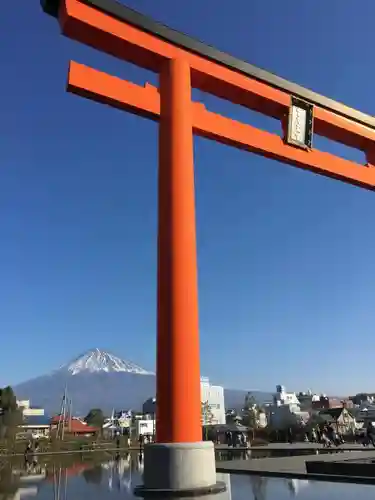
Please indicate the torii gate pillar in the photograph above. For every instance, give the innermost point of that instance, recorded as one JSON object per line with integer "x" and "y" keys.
{"x": 180, "y": 460}
{"x": 178, "y": 371}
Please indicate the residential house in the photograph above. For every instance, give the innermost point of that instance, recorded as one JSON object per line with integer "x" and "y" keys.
{"x": 342, "y": 419}
{"x": 74, "y": 426}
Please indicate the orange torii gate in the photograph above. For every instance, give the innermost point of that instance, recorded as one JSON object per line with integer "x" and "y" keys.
{"x": 182, "y": 64}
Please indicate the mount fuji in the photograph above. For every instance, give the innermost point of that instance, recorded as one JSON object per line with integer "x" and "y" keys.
{"x": 98, "y": 379}
{"x": 95, "y": 361}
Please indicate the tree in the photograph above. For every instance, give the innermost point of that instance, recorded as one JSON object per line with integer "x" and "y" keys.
{"x": 231, "y": 417}
{"x": 251, "y": 413}
{"x": 250, "y": 401}
{"x": 8, "y": 400}
{"x": 95, "y": 417}
{"x": 206, "y": 413}
{"x": 10, "y": 415}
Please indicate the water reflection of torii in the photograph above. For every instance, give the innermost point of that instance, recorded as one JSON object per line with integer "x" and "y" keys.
{"x": 294, "y": 485}
{"x": 58, "y": 478}
{"x": 119, "y": 467}
{"x": 259, "y": 487}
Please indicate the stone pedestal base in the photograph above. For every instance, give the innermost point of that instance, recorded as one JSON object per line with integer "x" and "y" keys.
{"x": 179, "y": 470}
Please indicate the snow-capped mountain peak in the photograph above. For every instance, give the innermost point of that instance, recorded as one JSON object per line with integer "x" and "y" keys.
{"x": 96, "y": 360}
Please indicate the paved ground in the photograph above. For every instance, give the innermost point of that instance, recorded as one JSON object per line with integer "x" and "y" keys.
{"x": 292, "y": 466}
{"x": 296, "y": 446}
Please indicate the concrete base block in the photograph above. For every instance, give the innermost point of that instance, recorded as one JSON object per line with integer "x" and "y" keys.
{"x": 179, "y": 470}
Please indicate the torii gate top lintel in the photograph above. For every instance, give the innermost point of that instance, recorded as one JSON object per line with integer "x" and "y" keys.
{"x": 113, "y": 28}
{"x": 134, "y": 18}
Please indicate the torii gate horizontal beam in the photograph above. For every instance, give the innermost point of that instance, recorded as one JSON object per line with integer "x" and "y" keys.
{"x": 113, "y": 28}
{"x": 133, "y": 18}
{"x": 145, "y": 101}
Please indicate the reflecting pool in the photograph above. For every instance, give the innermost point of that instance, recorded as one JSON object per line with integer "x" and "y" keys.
{"x": 106, "y": 477}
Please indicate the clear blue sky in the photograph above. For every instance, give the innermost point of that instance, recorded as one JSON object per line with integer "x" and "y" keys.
{"x": 286, "y": 258}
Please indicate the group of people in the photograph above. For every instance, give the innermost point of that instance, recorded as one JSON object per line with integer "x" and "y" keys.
{"x": 324, "y": 434}
{"x": 32, "y": 447}
{"x": 368, "y": 438}
{"x": 235, "y": 439}
{"x": 145, "y": 439}
{"x": 142, "y": 439}
{"x": 328, "y": 436}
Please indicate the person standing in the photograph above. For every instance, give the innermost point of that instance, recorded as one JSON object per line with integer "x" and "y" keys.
{"x": 370, "y": 434}
{"x": 141, "y": 441}
{"x": 290, "y": 435}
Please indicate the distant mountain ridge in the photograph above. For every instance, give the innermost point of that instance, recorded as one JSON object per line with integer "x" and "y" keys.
{"x": 98, "y": 379}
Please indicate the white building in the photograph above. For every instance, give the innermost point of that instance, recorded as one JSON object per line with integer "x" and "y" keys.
{"x": 27, "y": 410}
{"x": 262, "y": 420}
{"x": 283, "y": 398}
{"x": 286, "y": 409}
{"x": 212, "y": 396}
{"x": 143, "y": 426}
{"x": 32, "y": 412}
{"x": 24, "y": 403}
